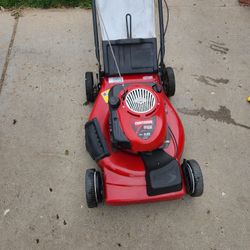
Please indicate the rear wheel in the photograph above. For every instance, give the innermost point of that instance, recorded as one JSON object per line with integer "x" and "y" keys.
{"x": 89, "y": 85}
{"x": 93, "y": 188}
{"x": 169, "y": 81}
{"x": 193, "y": 178}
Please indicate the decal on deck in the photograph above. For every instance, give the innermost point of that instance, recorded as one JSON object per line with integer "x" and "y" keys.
{"x": 116, "y": 80}
{"x": 144, "y": 129}
{"x": 105, "y": 95}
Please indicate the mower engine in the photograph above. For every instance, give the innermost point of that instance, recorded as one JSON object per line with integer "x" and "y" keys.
{"x": 137, "y": 117}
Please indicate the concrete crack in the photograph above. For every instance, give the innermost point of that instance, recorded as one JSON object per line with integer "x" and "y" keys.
{"x": 7, "y": 59}
{"x": 208, "y": 80}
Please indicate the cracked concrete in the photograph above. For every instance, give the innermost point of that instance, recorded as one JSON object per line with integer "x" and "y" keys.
{"x": 42, "y": 154}
{"x": 6, "y": 29}
{"x": 207, "y": 80}
{"x": 8, "y": 54}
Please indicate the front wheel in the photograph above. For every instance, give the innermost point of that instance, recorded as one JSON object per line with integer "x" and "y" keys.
{"x": 93, "y": 188}
{"x": 193, "y": 178}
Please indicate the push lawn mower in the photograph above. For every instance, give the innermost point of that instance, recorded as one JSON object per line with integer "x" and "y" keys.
{"x": 133, "y": 133}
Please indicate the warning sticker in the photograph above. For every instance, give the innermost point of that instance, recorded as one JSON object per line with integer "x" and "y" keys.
{"x": 105, "y": 95}
{"x": 115, "y": 80}
{"x": 148, "y": 77}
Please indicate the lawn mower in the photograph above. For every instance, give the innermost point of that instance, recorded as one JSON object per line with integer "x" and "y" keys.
{"x": 133, "y": 132}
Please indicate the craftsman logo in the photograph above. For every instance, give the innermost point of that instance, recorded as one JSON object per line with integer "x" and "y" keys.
{"x": 143, "y": 122}
{"x": 144, "y": 129}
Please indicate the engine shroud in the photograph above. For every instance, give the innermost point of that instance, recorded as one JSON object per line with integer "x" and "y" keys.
{"x": 137, "y": 117}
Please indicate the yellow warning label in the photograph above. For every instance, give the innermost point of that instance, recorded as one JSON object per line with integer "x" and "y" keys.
{"x": 105, "y": 95}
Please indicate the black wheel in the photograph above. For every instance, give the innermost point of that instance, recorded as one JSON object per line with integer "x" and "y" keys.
{"x": 169, "y": 81}
{"x": 193, "y": 178}
{"x": 89, "y": 85}
{"x": 93, "y": 188}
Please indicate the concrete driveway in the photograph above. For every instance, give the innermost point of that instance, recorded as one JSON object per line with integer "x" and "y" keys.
{"x": 42, "y": 153}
